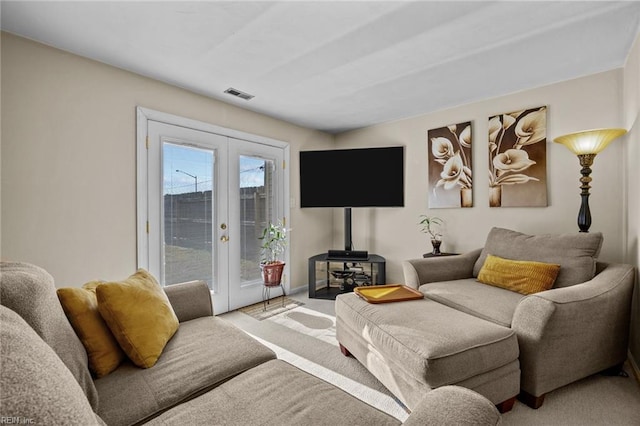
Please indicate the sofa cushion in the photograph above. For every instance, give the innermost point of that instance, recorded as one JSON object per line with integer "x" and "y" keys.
{"x": 81, "y": 307}
{"x": 437, "y": 346}
{"x": 36, "y": 385}
{"x": 139, "y": 315}
{"x": 522, "y": 276}
{"x": 29, "y": 291}
{"x": 202, "y": 354}
{"x": 575, "y": 253}
{"x": 480, "y": 300}
{"x": 281, "y": 394}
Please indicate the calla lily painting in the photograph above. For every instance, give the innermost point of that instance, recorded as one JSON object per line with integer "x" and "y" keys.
{"x": 518, "y": 158}
{"x": 450, "y": 175}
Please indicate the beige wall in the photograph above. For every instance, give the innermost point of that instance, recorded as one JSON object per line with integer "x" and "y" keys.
{"x": 69, "y": 162}
{"x": 632, "y": 154}
{"x": 580, "y": 104}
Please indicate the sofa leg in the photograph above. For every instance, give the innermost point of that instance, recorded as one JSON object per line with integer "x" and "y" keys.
{"x": 344, "y": 350}
{"x": 534, "y": 402}
{"x": 507, "y": 405}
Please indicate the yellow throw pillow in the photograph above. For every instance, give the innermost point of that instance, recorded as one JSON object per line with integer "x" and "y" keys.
{"x": 81, "y": 307}
{"x": 522, "y": 276}
{"x": 139, "y": 315}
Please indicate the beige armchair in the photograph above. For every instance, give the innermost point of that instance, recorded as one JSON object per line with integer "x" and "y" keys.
{"x": 578, "y": 328}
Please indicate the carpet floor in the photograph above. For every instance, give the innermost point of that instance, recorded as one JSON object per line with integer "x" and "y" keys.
{"x": 304, "y": 335}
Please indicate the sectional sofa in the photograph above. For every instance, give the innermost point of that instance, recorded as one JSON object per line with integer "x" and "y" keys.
{"x": 210, "y": 372}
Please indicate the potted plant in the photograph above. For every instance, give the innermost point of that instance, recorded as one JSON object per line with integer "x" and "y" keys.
{"x": 433, "y": 226}
{"x": 274, "y": 243}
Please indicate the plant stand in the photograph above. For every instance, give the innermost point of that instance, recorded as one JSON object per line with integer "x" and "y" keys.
{"x": 266, "y": 290}
{"x": 271, "y": 278}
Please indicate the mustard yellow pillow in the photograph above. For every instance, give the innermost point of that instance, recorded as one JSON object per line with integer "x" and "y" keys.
{"x": 139, "y": 315}
{"x": 522, "y": 276}
{"x": 81, "y": 307}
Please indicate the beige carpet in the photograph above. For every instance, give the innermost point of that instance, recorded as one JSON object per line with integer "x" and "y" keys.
{"x": 303, "y": 337}
{"x": 310, "y": 323}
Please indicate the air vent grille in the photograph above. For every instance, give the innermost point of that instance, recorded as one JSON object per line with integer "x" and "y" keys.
{"x": 239, "y": 93}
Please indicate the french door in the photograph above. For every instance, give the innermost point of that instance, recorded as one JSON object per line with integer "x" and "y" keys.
{"x": 208, "y": 198}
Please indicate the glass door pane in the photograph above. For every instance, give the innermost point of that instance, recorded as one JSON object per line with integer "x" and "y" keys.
{"x": 256, "y": 201}
{"x": 187, "y": 206}
{"x": 186, "y": 223}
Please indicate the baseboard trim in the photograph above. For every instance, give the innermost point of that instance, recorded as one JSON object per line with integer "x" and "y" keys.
{"x": 297, "y": 290}
{"x": 634, "y": 367}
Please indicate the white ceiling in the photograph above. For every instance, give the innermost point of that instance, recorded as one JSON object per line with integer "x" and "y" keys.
{"x": 336, "y": 66}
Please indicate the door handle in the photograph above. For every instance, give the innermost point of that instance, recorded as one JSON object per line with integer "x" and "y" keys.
{"x": 224, "y": 239}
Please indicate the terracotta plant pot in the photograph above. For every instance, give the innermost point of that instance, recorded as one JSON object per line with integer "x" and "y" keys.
{"x": 272, "y": 273}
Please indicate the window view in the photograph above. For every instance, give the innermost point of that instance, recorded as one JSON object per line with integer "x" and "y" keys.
{"x": 188, "y": 206}
{"x": 256, "y": 200}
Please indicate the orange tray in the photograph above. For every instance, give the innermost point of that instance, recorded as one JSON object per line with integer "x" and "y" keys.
{"x": 387, "y": 293}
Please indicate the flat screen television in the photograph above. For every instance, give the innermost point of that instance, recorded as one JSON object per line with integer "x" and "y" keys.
{"x": 362, "y": 177}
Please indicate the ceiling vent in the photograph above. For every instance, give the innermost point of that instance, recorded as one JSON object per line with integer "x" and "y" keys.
{"x": 239, "y": 94}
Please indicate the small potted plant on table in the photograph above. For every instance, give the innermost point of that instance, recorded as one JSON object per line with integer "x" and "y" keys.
{"x": 433, "y": 226}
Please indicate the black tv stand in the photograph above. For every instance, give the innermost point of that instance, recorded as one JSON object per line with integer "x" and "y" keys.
{"x": 330, "y": 277}
{"x": 348, "y": 254}
{"x": 348, "y": 241}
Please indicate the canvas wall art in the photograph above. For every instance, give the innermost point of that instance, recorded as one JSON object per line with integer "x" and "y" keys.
{"x": 518, "y": 158}
{"x": 450, "y": 163}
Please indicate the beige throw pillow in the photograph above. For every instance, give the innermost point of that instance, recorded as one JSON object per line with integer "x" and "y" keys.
{"x": 575, "y": 253}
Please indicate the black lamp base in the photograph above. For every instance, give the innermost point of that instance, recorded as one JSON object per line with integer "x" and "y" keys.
{"x": 584, "y": 215}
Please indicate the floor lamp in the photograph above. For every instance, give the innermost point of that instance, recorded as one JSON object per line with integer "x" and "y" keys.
{"x": 586, "y": 145}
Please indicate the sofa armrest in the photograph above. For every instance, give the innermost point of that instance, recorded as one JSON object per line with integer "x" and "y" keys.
{"x": 454, "y": 405}
{"x": 444, "y": 268}
{"x": 190, "y": 300}
{"x": 568, "y": 333}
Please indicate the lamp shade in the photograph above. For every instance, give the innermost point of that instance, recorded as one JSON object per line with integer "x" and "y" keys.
{"x": 589, "y": 141}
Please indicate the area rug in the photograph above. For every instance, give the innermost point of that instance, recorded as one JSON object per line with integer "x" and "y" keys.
{"x": 274, "y": 307}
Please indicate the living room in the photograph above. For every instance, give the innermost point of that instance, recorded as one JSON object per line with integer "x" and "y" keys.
{"x": 69, "y": 197}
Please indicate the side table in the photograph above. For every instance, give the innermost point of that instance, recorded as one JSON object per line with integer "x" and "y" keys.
{"x": 426, "y": 255}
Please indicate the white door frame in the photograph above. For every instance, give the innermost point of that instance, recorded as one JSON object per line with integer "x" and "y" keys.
{"x": 143, "y": 116}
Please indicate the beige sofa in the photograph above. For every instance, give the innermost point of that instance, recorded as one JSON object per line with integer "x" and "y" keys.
{"x": 497, "y": 342}
{"x": 210, "y": 373}
{"x": 577, "y": 328}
